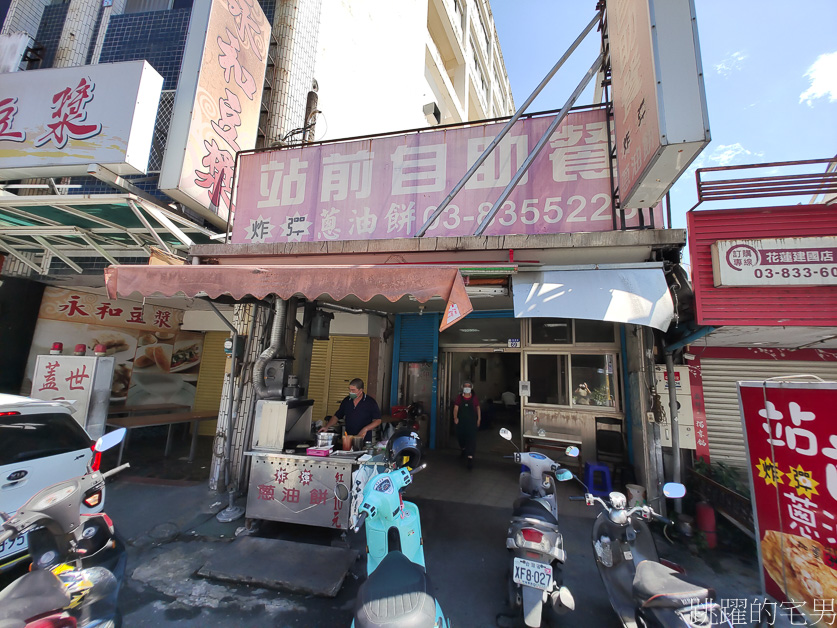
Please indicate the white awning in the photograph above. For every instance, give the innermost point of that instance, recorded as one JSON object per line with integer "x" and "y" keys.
{"x": 636, "y": 294}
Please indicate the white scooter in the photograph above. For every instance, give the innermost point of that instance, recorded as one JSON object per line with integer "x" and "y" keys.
{"x": 77, "y": 560}
{"x": 644, "y": 592}
{"x": 535, "y": 580}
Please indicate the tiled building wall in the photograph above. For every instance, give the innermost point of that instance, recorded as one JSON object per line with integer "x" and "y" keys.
{"x": 49, "y": 32}
{"x": 296, "y": 26}
{"x": 24, "y": 16}
{"x": 159, "y": 37}
{"x": 77, "y": 33}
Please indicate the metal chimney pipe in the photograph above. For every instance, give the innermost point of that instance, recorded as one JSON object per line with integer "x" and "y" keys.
{"x": 277, "y": 333}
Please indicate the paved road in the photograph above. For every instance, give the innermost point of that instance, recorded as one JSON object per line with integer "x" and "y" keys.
{"x": 171, "y": 530}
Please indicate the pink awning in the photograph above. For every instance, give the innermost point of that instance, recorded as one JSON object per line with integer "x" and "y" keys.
{"x": 364, "y": 282}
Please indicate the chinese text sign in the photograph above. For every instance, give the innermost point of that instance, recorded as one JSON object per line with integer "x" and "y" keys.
{"x": 86, "y": 380}
{"x": 221, "y": 115}
{"x": 58, "y": 121}
{"x": 634, "y": 91}
{"x": 388, "y": 187}
{"x": 792, "y": 446}
{"x": 775, "y": 262}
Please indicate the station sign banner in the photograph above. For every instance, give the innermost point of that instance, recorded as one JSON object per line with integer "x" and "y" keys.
{"x": 56, "y": 122}
{"x": 659, "y": 101}
{"x": 775, "y": 262}
{"x": 217, "y": 105}
{"x": 792, "y": 460}
{"x": 387, "y": 187}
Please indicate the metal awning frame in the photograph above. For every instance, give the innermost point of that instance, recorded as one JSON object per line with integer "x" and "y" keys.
{"x": 62, "y": 240}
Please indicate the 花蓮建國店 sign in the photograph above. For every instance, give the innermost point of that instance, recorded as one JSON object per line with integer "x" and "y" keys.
{"x": 792, "y": 455}
{"x": 387, "y": 187}
{"x": 775, "y": 262}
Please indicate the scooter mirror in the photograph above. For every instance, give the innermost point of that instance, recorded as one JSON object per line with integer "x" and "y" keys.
{"x": 506, "y": 434}
{"x": 111, "y": 439}
{"x": 572, "y": 451}
{"x": 341, "y": 492}
{"x": 563, "y": 475}
{"x": 673, "y": 490}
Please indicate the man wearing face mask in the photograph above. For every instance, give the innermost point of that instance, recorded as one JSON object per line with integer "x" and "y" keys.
{"x": 466, "y": 416}
{"x": 361, "y": 412}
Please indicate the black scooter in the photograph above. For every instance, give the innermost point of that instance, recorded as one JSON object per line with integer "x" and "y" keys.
{"x": 644, "y": 592}
{"x": 78, "y": 562}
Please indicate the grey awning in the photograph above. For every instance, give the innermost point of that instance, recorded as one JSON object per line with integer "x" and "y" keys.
{"x": 636, "y": 294}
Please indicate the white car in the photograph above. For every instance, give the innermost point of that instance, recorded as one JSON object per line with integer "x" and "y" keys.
{"x": 41, "y": 444}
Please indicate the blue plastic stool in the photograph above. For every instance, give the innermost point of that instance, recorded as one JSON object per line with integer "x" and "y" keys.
{"x": 604, "y": 487}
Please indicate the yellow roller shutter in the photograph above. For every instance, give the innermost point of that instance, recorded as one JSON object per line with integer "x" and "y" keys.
{"x": 318, "y": 379}
{"x": 349, "y": 359}
{"x": 211, "y": 378}
{"x": 334, "y": 363}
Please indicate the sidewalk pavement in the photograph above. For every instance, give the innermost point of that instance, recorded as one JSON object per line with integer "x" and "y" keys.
{"x": 172, "y": 531}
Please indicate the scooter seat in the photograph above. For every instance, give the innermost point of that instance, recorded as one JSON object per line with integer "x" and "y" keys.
{"x": 658, "y": 586}
{"x": 528, "y": 507}
{"x": 34, "y": 593}
{"x": 397, "y": 593}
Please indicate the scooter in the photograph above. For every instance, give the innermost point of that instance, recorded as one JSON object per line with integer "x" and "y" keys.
{"x": 77, "y": 560}
{"x": 535, "y": 580}
{"x": 645, "y": 592}
{"x": 397, "y": 591}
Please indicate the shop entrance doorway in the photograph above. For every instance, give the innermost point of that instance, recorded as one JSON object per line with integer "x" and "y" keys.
{"x": 495, "y": 376}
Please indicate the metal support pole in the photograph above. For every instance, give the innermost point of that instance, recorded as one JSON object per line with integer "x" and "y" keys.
{"x": 675, "y": 426}
{"x": 507, "y": 128}
{"x": 231, "y": 512}
{"x": 540, "y": 145}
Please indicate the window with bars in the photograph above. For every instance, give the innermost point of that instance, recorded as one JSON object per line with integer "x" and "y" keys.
{"x": 161, "y": 130}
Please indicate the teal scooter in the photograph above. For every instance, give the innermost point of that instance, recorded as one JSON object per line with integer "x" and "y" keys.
{"x": 397, "y": 591}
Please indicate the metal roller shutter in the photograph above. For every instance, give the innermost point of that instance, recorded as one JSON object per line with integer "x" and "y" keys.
{"x": 334, "y": 363}
{"x": 211, "y": 379}
{"x": 723, "y": 419}
{"x": 418, "y": 338}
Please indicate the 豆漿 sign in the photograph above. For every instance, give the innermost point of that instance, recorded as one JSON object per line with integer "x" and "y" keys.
{"x": 775, "y": 262}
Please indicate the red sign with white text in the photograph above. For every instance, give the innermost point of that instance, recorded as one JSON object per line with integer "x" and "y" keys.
{"x": 792, "y": 444}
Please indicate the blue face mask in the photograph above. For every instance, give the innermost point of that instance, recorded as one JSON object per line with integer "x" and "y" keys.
{"x": 466, "y": 390}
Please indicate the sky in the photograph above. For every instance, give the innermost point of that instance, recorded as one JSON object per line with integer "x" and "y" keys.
{"x": 770, "y": 74}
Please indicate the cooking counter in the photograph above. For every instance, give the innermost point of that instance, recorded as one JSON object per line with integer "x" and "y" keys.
{"x": 297, "y": 488}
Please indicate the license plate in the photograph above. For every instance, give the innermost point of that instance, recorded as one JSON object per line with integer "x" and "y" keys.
{"x": 532, "y": 574}
{"x": 12, "y": 546}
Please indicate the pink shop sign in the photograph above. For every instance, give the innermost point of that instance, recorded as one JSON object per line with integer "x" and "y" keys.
{"x": 388, "y": 187}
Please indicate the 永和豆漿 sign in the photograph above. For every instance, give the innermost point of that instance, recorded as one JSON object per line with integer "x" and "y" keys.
{"x": 775, "y": 262}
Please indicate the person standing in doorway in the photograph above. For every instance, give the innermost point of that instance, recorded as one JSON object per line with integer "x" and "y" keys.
{"x": 466, "y": 416}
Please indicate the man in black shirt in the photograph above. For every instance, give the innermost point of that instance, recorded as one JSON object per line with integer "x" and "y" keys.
{"x": 361, "y": 412}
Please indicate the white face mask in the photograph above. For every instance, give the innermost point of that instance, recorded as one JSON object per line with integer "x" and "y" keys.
{"x": 466, "y": 389}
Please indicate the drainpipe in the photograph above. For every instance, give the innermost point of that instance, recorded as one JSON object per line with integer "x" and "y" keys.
{"x": 672, "y": 402}
{"x": 276, "y": 337}
{"x": 675, "y": 427}
{"x": 231, "y": 512}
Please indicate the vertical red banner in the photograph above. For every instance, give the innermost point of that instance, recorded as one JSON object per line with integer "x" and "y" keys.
{"x": 791, "y": 437}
